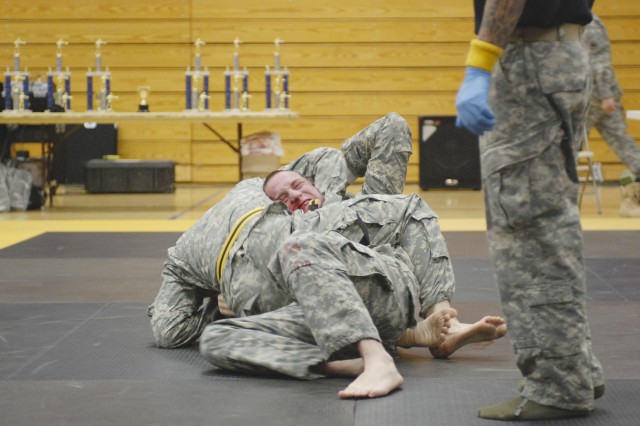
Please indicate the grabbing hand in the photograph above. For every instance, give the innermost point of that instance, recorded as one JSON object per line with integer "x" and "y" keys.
{"x": 471, "y": 102}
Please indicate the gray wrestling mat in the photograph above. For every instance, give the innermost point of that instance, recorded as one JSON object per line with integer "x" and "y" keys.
{"x": 76, "y": 348}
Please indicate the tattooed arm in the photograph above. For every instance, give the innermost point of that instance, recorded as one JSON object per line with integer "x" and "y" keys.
{"x": 499, "y": 19}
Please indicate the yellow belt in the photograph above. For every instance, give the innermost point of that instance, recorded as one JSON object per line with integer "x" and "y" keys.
{"x": 232, "y": 237}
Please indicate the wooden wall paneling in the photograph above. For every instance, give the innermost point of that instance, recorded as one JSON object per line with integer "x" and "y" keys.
{"x": 215, "y": 174}
{"x": 155, "y": 131}
{"x": 336, "y": 55}
{"x": 88, "y": 31}
{"x": 362, "y": 79}
{"x": 178, "y": 151}
{"x": 96, "y": 9}
{"x": 213, "y": 153}
{"x": 617, "y": 8}
{"x": 351, "y": 30}
{"x": 80, "y": 56}
{"x": 304, "y": 128}
{"x": 331, "y": 9}
{"x": 375, "y": 104}
{"x": 622, "y": 28}
{"x": 183, "y": 173}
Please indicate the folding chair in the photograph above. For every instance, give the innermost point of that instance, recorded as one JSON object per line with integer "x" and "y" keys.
{"x": 589, "y": 172}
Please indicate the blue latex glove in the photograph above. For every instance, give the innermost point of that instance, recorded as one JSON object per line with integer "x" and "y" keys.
{"x": 471, "y": 102}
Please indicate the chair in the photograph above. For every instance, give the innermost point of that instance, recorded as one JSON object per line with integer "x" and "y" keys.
{"x": 589, "y": 173}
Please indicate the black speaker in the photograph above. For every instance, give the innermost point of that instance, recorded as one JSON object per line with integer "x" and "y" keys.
{"x": 449, "y": 155}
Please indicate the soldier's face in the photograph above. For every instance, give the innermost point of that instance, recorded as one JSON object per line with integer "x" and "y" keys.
{"x": 292, "y": 189}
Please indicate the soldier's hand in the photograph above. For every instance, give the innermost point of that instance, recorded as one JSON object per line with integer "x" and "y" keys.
{"x": 224, "y": 308}
{"x": 473, "y": 110}
{"x": 608, "y": 105}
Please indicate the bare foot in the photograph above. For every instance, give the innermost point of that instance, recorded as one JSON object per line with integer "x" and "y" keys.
{"x": 429, "y": 332}
{"x": 347, "y": 367}
{"x": 460, "y": 334}
{"x": 379, "y": 378}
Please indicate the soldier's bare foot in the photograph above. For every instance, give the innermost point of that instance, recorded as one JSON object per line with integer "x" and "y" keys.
{"x": 429, "y": 332}
{"x": 347, "y": 367}
{"x": 486, "y": 330}
{"x": 379, "y": 378}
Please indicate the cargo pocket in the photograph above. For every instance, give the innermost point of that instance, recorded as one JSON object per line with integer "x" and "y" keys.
{"x": 555, "y": 321}
{"x": 520, "y": 193}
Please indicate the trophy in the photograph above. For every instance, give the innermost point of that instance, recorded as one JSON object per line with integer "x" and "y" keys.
{"x": 197, "y": 98}
{"x": 62, "y": 96}
{"x": 105, "y": 82}
{"x": 278, "y": 95}
{"x": 233, "y": 94}
{"x": 16, "y": 83}
{"x": 143, "y": 92}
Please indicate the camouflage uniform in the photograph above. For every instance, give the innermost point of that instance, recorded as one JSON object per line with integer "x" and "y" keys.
{"x": 539, "y": 96}
{"x": 323, "y": 273}
{"x": 187, "y": 302}
{"x": 345, "y": 292}
{"x": 15, "y": 187}
{"x": 612, "y": 127}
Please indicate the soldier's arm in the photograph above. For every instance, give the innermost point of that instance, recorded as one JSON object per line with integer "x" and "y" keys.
{"x": 596, "y": 39}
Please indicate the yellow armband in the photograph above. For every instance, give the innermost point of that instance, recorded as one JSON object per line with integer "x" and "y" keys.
{"x": 483, "y": 55}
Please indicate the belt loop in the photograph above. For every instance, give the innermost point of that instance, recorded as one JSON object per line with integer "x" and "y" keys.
{"x": 561, "y": 32}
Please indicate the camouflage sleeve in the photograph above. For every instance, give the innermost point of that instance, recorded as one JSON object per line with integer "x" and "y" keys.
{"x": 596, "y": 39}
{"x": 182, "y": 309}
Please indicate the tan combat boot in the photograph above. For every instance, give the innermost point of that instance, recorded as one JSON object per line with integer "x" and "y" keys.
{"x": 630, "y": 206}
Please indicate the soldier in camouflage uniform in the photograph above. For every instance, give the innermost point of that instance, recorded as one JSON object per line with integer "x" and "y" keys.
{"x": 187, "y": 300}
{"x": 606, "y": 111}
{"x": 538, "y": 91}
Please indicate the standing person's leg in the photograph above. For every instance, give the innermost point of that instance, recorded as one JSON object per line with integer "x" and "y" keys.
{"x": 380, "y": 153}
{"x": 533, "y": 223}
{"x": 537, "y": 253}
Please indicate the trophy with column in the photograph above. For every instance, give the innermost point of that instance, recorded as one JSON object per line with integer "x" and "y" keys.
{"x": 277, "y": 82}
{"x": 197, "y": 95}
{"x": 236, "y": 83}
{"x": 16, "y": 83}
{"x": 104, "y": 95}
{"x": 61, "y": 96}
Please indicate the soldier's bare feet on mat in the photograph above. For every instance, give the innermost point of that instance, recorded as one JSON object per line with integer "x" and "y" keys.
{"x": 429, "y": 332}
{"x": 486, "y": 330}
{"x": 380, "y": 375}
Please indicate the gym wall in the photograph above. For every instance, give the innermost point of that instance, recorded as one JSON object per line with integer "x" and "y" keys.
{"x": 351, "y": 61}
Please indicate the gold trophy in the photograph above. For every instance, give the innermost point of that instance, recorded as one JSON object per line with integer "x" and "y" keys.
{"x": 143, "y": 91}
